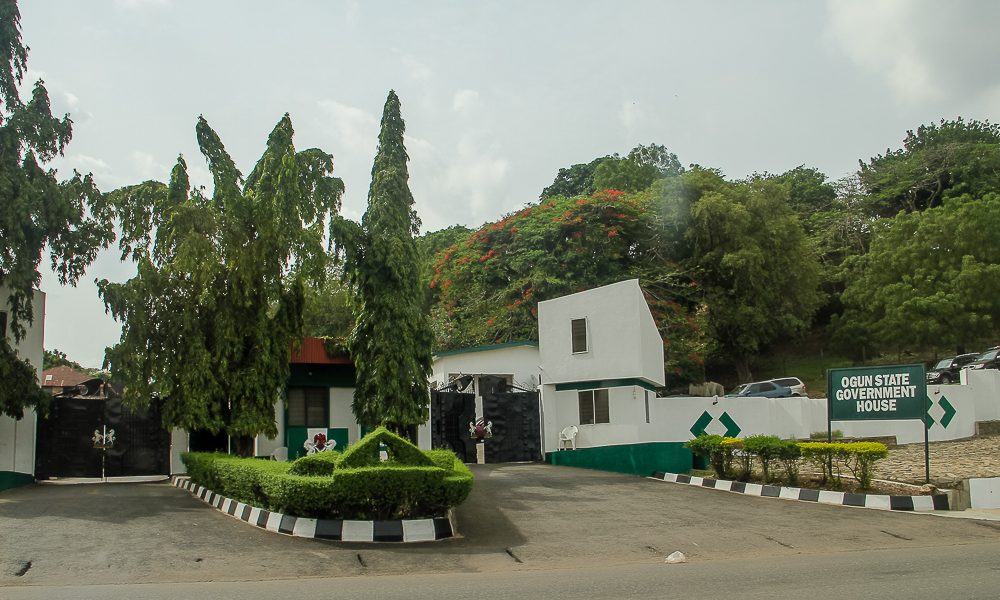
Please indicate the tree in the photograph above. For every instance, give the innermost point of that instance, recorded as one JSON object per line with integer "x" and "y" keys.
{"x": 36, "y": 210}
{"x": 635, "y": 172}
{"x": 936, "y": 162}
{"x": 208, "y": 319}
{"x": 487, "y": 287}
{"x": 391, "y": 340}
{"x": 576, "y": 180}
{"x": 932, "y": 278}
{"x": 758, "y": 272}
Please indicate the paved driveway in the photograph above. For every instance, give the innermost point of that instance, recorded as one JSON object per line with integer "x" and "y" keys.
{"x": 524, "y": 516}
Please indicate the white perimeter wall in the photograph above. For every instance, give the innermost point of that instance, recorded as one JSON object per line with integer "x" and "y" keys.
{"x": 17, "y": 438}
{"x": 671, "y": 419}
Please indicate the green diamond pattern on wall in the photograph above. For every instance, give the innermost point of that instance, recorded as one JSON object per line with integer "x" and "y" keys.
{"x": 699, "y": 426}
{"x": 732, "y": 429}
{"x": 948, "y": 412}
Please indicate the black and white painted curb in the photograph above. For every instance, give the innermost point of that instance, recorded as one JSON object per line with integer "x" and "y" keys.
{"x": 407, "y": 530}
{"x": 879, "y": 501}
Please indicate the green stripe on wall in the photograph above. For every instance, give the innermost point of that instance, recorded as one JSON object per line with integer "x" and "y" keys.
{"x": 605, "y": 383}
{"x": 10, "y": 479}
{"x": 635, "y": 459}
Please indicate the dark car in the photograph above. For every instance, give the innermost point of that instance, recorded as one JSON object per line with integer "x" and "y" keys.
{"x": 987, "y": 360}
{"x": 946, "y": 370}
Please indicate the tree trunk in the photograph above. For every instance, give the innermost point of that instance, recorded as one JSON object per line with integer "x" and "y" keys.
{"x": 742, "y": 364}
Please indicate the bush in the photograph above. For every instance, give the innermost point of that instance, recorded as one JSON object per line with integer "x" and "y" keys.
{"x": 734, "y": 446}
{"x": 821, "y": 455}
{"x": 322, "y": 486}
{"x": 365, "y": 452}
{"x": 789, "y": 454}
{"x": 860, "y": 459}
{"x": 766, "y": 448}
{"x": 822, "y": 435}
{"x": 320, "y": 463}
{"x": 719, "y": 454}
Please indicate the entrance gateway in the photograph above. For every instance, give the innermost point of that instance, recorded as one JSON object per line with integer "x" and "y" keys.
{"x": 515, "y": 430}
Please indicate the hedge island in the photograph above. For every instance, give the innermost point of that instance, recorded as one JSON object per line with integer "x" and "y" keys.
{"x": 411, "y": 484}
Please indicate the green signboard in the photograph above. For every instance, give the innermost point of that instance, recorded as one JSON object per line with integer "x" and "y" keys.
{"x": 873, "y": 393}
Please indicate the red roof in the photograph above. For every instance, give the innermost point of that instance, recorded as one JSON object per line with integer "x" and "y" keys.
{"x": 64, "y": 377}
{"x": 312, "y": 351}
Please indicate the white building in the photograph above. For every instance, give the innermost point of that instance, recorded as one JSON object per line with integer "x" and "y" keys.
{"x": 17, "y": 438}
{"x": 601, "y": 362}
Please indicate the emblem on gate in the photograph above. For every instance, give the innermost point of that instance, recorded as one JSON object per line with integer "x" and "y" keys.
{"x": 481, "y": 429}
{"x": 104, "y": 440}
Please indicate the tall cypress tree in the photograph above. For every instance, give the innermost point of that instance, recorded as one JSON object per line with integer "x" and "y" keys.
{"x": 391, "y": 340}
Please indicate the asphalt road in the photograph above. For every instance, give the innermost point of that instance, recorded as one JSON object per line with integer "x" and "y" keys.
{"x": 519, "y": 519}
{"x": 968, "y": 572}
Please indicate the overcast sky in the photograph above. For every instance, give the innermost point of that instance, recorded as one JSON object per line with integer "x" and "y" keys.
{"x": 497, "y": 96}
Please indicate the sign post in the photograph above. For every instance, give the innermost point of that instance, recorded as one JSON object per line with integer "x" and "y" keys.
{"x": 883, "y": 392}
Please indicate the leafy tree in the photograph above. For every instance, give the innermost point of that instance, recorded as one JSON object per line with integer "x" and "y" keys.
{"x": 635, "y": 172}
{"x": 576, "y": 180}
{"x": 327, "y": 311}
{"x": 488, "y": 286}
{"x": 931, "y": 278}
{"x": 391, "y": 340}
{"x": 759, "y": 274}
{"x": 54, "y": 358}
{"x": 207, "y": 320}
{"x": 35, "y": 210}
{"x": 937, "y": 161}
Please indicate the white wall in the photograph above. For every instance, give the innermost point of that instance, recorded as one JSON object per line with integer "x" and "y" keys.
{"x": 17, "y": 438}
{"x": 672, "y": 418}
{"x": 621, "y": 336}
{"x": 341, "y": 414}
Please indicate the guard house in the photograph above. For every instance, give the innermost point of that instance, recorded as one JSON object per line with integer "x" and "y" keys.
{"x": 601, "y": 362}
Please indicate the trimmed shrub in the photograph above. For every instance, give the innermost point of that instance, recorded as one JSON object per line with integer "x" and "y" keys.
{"x": 860, "y": 459}
{"x": 789, "y": 454}
{"x": 365, "y": 452}
{"x": 821, "y": 455}
{"x": 320, "y": 463}
{"x": 766, "y": 448}
{"x": 718, "y": 453}
{"x": 382, "y": 491}
{"x": 739, "y": 456}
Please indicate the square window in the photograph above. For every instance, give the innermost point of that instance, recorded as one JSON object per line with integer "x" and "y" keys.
{"x": 594, "y": 407}
{"x": 578, "y": 328}
{"x": 307, "y": 407}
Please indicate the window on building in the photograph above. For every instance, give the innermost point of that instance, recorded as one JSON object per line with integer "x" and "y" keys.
{"x": 645, "y": 394}
{"x": 3, "y": 324}
{"x": 594, "y": 407}
{"x": 307, "y": 407}
{"x": 578, "y": 328}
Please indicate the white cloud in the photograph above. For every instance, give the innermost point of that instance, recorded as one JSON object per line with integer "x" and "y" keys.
{"x": 147, "y": 167}
{"x": 474, "y": 173}
{"x": 356, "y": 129}
{"x": 631, "y": 116}
{"x": 352, "y": 13}
{"x": 141, "y": 4}
{"x": 71, "y": 100}
{"x": 924, "y": 50}
{"x": 417, "y": 70}
{"x": 465, "y": 101}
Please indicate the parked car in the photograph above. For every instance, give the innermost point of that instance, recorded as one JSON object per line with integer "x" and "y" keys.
{"x": 793, "y": 383}
{"x": 987, "y": 360}
{"x": 760, "y": 389}
{"x": 946, "y": 370}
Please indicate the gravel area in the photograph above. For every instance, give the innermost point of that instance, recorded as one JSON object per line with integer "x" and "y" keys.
{"x": 951, "y": 461}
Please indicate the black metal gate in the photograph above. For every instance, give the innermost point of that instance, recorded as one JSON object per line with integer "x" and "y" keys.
{"x": 65, "y": 446}
{"x": 451, "y": 413}
{"x": 516, "y": 426}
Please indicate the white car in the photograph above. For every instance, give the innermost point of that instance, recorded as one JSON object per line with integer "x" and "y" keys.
{"x": 793, "y": 383}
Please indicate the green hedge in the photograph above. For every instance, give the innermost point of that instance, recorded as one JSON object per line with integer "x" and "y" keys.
{"x": 319, "y": 486}
{"x": 320, "y": 463}
{"x": 828, "y": 457}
